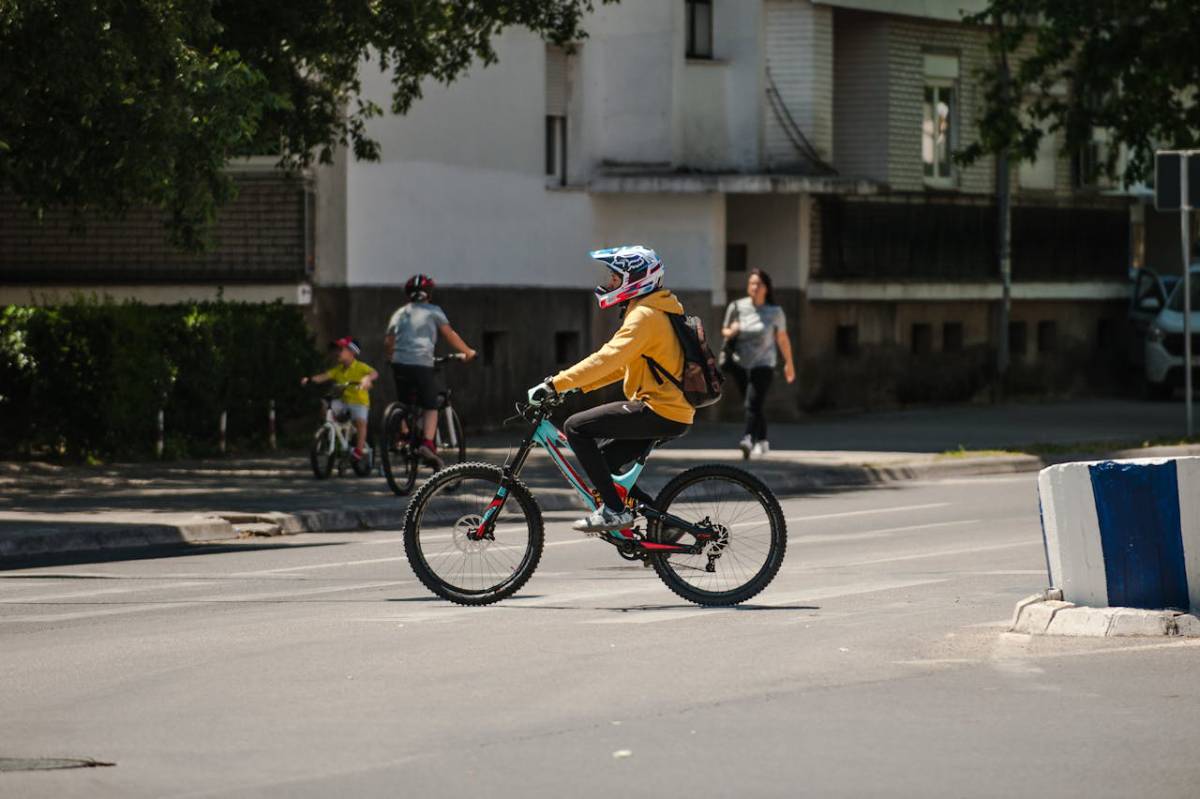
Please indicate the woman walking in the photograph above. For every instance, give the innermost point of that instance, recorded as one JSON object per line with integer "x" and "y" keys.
{"x": 754, "y": 327}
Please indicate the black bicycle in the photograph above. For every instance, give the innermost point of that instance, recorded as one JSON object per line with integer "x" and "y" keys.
{"x": 473, "y": 533}
{"x": 403, "y": 431}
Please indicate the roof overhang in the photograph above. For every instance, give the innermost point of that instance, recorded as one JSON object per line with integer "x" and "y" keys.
{"x": 733, "y": 183}
{"x": 949, "y": 10}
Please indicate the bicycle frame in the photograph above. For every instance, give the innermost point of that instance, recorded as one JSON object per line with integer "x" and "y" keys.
{"x": 545, "y": 434}
{"x": 341, "y": 430}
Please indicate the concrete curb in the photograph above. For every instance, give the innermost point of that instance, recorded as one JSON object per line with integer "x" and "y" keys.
{"x": 228, "y": 526}
{"x": 1043, "y": 614}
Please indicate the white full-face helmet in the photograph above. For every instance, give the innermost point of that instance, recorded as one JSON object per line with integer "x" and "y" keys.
{"x": 640, "y": 269}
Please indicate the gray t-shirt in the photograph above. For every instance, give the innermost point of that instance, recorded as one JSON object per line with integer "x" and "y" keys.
{"x": 415, "y": 327}
{"x": 757, "y": 328}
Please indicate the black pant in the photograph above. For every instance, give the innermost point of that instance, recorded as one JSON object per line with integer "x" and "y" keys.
{"x": 418, "y": 385}
{"x": 630, "y": 427}
{"x": 754, "y": 385}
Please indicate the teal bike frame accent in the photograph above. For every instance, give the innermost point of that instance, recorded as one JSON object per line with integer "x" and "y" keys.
{"x": 551, "y": 439}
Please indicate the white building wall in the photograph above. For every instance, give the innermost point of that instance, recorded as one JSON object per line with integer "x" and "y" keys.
{"x": 799, "y": 55}
{"x": 860, "y": 95}
{"x": 717, "y": 110}
{"x": 632, "y": 58}
{"x": 687, "y": 230}
{"x": 460, "y": 190}
{"x": 769, "y": 226}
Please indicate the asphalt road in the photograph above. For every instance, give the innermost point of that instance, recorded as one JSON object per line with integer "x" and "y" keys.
{"x": 875, "y": 665}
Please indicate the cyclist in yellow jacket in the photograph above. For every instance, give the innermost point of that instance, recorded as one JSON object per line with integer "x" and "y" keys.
{"x": 654, "y": 409}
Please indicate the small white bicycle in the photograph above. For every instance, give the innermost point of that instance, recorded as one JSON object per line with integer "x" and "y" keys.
{"x": 333, "y": 441}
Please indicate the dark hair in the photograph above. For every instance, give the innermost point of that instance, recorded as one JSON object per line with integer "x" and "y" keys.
{"x": 766, "y": 280}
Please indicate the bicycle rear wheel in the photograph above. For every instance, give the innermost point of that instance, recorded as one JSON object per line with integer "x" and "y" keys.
{"x": 450, "y": 506}
{"x": 395, "y": 452}
{"x": 321, "y": 452}
{"x": 750, "y": 546}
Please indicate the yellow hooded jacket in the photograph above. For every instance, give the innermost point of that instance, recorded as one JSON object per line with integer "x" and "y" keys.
{"x": 645, "y": 330}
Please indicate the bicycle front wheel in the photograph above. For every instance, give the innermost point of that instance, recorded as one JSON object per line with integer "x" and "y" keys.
{"x": 320, "y": 455}
{"x": 751, "y": 535}
{"x": 441, "y": 520}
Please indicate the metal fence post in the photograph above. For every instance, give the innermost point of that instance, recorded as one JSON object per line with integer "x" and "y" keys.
{"x": 158, "y": 442}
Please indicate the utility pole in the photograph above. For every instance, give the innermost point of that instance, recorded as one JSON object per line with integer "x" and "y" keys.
{"x": 1185, "y": 232}
{"x": 1004, "y": 218}
{"x": 1176, "y": 188}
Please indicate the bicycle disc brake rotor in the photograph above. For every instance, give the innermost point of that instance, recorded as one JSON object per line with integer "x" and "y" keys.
{"x": 713, "y": 549}
{"x": 463, "y": 528}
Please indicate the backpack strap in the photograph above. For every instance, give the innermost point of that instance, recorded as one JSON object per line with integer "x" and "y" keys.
{"x": 658, "y": 373}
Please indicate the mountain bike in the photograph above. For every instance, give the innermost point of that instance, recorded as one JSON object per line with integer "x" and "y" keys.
{"x": 473, "y": 533}
{"x": 403, "y": 430}
{"x": 332, "y": 442}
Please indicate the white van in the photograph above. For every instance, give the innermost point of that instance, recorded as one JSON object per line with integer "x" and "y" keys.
{"x": 1164, "y": 340}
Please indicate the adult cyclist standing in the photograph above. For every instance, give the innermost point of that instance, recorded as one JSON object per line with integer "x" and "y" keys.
{"x": 412, "y": 334}
{"x": 654, "y": 409}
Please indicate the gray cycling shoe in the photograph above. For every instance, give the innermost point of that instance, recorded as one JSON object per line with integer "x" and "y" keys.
{"x": 603, "y": 520}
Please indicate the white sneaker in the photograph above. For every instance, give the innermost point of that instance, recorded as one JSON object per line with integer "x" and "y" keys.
{"x": 746, "y": 446}
{"x": 602, "y": 520}
{"x": 761, "y": 448}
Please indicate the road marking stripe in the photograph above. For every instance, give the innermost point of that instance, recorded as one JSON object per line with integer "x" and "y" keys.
{"x": 652, "y": 615}
{"x": 37, "y": 598}
{"x": 942, "y": 553}
{"x": 844, "y": 514}
{"x": 151, "y": 605}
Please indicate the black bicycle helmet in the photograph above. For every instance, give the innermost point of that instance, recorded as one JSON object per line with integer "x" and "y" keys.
{"x": 419, "y": 287}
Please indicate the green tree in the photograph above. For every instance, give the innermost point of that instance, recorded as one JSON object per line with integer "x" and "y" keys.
{"x": 1077, "y": 65}
{"x": 111, "y": 104}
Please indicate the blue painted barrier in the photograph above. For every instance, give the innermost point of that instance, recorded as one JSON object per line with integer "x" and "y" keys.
{"x": 1124, "y": 533}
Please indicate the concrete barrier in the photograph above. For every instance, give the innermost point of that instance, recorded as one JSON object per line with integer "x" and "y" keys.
{"x": 1124, "y": 533}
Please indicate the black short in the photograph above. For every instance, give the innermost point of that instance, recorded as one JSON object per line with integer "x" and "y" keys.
{"x": 418, "y": 385}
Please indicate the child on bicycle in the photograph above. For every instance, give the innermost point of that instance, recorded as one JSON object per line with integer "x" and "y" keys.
{"x": 355, "y": 398}
{"x": 655, "y": 409}
{"x": 411, "y": 337}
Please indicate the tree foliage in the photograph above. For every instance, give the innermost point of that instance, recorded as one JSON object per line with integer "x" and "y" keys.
{"x": 1131, "y": 68}
{"x": 110, "y": 104}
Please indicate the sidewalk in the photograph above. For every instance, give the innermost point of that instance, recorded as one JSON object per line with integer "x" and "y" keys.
{"x": 46, "y": 508}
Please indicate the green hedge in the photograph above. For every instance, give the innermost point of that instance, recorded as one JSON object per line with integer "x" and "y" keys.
{"x": 86, "y": 380}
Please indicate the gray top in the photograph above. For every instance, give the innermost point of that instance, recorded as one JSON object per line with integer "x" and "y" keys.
{"x": 757, "y": 328}
{"x": 415, "y": 327}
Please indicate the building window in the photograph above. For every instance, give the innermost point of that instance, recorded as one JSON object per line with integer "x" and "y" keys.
{"x": 1039, "y": 174}
{"x": 1016, "y": 339}
{"x": 1090, "y": 164}
{"x": 1047, "y": 336}
{"x": 938, "y": 131}
{"x": 922, "y": 338}
{"x": 566, "y": 347}
{"x": 952, "y": 337}
{"x": 847, "y": 340}
{"x": 558, "y": 89}
{"x": 556, "y": 149}
{"x": 495, "y": 347}
{"x": 736, "y": 257}
{"x": 699, "y": 28}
